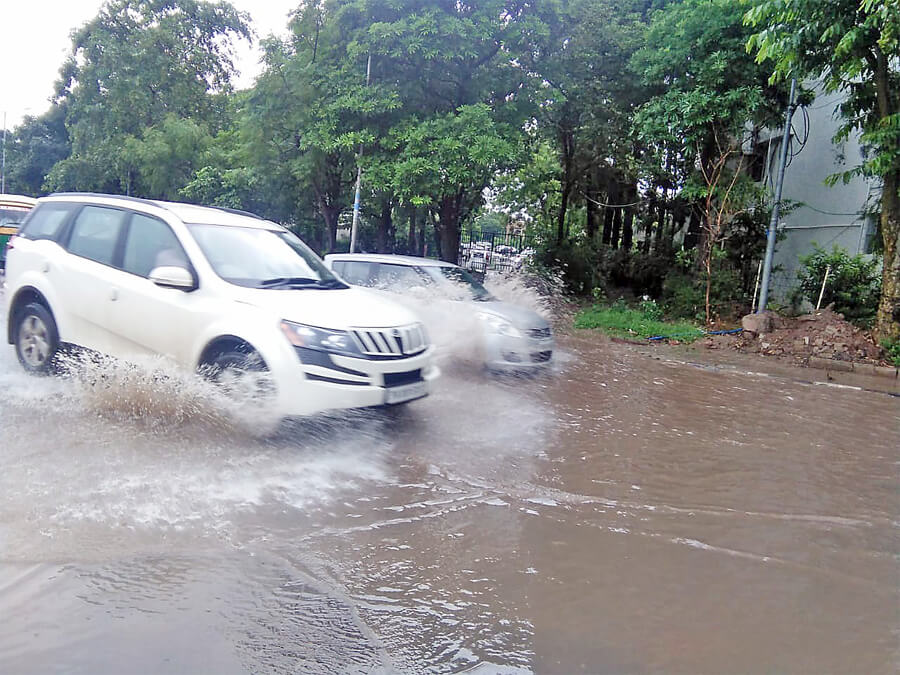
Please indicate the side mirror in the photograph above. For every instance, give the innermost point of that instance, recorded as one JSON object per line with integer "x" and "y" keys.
{"x": 173, "y": 277}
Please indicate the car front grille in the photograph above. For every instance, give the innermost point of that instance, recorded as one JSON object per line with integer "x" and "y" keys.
{"x": 390, "y": 342}
{"x": 540, "y": 333}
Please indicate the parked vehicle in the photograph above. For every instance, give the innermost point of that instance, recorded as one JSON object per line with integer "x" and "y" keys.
{"x": 222, "y": 292}
{"x": 514, "y": 338}
{"x": 13, "y": 210}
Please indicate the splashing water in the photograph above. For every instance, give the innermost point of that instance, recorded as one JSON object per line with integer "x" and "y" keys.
{"x": 526, "y": 290}
{"x": 452, "y": 318}
{"x": 156, "y": 393}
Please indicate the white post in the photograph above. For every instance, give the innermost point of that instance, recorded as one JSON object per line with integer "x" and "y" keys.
{"x": 756, "y": 288}
{"x": 824, "y": 281}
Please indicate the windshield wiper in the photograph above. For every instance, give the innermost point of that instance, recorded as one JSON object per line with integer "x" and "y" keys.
{"x": 331, "y": 283}
{"x": 300, "y": 282}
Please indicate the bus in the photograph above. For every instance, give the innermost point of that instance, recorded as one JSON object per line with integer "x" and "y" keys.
{"x": 13, "y": 209}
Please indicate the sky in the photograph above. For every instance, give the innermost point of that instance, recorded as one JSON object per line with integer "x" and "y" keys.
{"x": 34, "y": 41}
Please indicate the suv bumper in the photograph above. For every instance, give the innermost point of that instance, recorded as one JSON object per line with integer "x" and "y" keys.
{"x": 330, "y": 382}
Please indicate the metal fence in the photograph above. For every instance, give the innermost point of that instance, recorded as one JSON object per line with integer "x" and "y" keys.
{"x": 496, "y": 251}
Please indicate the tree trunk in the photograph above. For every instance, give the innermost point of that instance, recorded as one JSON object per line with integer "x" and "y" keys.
{"x": 612, "y": 197}
{"x": 567, "y": 144}
{"x": 447, "y": 228}
{"x": 384, "y": 239}
{"x": 330, "y": 214}
{"x": 592, "y": 210}
{"x": 411, "y": 234}
{"x": 888, "y": 318}
{"x": 616, "y": 226}
{"x": 630, "y": 214}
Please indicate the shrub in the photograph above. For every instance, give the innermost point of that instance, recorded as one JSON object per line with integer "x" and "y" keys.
{"x": 583, "y": 264}
{"x": 892, "y": 349}
{"x": 684, "y": 293}
{"x": 854, "y": 283}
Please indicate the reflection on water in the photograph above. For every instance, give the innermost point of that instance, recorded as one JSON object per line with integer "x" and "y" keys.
{"x": 620, "y": 515}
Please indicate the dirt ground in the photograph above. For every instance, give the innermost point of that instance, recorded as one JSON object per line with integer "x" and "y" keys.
{"x": 824, "y": 334}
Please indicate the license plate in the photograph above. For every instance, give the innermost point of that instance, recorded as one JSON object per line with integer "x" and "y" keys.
{"x": 406, "y": 392}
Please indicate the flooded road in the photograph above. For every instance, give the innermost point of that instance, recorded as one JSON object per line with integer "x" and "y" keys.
{"x": 624, "y": 515}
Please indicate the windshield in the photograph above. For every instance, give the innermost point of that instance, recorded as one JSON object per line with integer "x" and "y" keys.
{"x": 461, "y": 279}
{"x": 261, "y": 258}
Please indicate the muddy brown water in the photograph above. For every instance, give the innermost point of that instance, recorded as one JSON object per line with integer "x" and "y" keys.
{"x": 624, "y": 515}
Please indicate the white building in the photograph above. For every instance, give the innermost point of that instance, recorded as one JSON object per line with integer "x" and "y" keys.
{"x": 828, "y": 215}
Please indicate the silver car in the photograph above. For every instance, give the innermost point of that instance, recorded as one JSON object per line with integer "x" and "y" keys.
{"x": 514, "y": 338}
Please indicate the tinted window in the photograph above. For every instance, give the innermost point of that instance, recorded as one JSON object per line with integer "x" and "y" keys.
{"x": 353, "y": 271}
{"x": 151, "y": 243}
{"x": 95, "y": 233}
{"x": 46, "y": 221}
{"x": 397, "y": 276}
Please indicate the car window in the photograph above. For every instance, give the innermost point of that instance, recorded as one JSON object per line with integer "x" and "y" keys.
{"x": 46, "y": 221}
{"x": 151, "y": 243}
{"x": 398, "y": 277}
{"x": 95, "y": 233}
{"x": 353, "y": 271}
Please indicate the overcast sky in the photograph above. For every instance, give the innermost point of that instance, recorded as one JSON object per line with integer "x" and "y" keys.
{"x": 34, "y": 39}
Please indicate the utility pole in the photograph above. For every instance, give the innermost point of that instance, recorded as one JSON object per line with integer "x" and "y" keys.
{"x": 776, "y": 207}
{"x": 354, "y": 225}
{"x": 3, "y": 165}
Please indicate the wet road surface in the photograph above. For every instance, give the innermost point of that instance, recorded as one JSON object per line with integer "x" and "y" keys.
{"x": 624, "y": 515}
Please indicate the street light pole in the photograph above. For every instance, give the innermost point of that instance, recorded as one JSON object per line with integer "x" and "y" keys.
{"x": 355, "y": 223}
{"x": 3, "y": 165}
{"x": 776, "y": 207}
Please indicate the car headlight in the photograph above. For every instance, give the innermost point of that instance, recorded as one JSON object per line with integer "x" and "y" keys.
{"x": 499, "y": 325}
{"x": 320, "y": 339}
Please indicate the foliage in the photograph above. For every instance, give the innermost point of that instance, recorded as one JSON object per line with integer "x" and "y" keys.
{"x": 892, "y": 349}
{"x": 642, "y": 272}
{"x": 684, "y": 293}
{"x": 706, "y": 88}
{"x": 583, "y": 263}
{"x": 644, "y": 322}
{"x": 135, "y": 65}
{"x": 32, "y": 150}
{"x": 854, "y": 283}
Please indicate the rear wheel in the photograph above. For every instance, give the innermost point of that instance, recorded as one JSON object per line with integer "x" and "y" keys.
{"x": 36, "y": 338}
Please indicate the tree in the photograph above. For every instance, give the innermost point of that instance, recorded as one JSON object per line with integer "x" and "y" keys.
{"x": 852, "y": 45}
{"x": 706, "y": 88}
{"x": 136, "y": 64}
{"x": 33, "y": 148}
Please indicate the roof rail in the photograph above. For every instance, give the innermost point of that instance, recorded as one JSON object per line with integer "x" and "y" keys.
{"x": 128, "y": 198}
{"x": 238, "y": 212}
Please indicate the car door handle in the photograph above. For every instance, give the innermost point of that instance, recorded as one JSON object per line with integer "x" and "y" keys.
{"x": 114, "y": 294}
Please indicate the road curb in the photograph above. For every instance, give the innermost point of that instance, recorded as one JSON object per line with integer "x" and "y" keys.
{"x": 850, "y": 367}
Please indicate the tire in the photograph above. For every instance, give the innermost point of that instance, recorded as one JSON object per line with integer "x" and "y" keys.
{"x": 36, "y": 338}
{"x": 240, "y": 373}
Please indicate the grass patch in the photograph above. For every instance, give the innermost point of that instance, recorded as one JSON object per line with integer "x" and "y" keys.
{"x": 624, "y": 322}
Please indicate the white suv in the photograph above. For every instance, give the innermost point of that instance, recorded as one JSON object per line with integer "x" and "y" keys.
{"x": 215, "y": 290}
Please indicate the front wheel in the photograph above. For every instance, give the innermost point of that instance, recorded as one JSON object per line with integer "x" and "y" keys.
{"x": 241, "y": 375}
{"x": 36, "y": 338}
